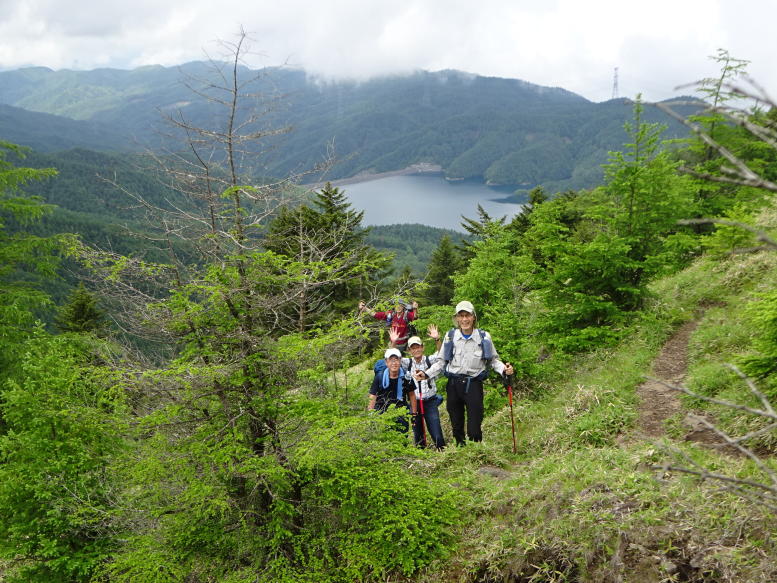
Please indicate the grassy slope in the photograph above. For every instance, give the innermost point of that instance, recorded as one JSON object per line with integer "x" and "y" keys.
{"x": 579, "y": 501}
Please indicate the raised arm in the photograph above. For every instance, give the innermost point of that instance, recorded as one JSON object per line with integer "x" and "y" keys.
{"x": 363, "y": 308}
{"x": 434, "y": 334}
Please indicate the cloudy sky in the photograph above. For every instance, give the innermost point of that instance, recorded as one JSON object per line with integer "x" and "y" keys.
{"x": 574, "y": 44}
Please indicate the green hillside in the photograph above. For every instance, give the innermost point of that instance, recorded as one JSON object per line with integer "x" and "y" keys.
{"x": 500, "y": 131}
{"x": 49, "y": 133}
{"x": 91, "y": 194}
{"x": 411, "y": 244}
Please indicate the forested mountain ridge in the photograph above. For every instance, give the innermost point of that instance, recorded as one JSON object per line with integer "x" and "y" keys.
{"x": 46, "y": 132}
{"x": 92, "y": 189}
{"x": 501, "y": 131}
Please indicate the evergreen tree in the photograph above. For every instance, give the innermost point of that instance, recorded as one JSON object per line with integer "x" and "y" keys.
{"x": 443, "y": 266}
{"x": 337, "y": 216}
{"x": 54, "y": 420}
{"x": 478, "y": 229}
{"x": 223, "y": 428}
{"x": 67, "y": 425}
{"x": 520, "y": 221}
{"x": 26, "y": 260}
{"x": 80, "y": 313}
{"x": 716, "y": 197}
{"x": 326, "y": 230}
{"x": 643, "y": 197}
{"x": 593, "y": 254}
{"x": 718, "y": 92}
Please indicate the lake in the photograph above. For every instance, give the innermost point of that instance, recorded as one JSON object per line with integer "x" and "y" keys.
{"x": 428, "y": 199}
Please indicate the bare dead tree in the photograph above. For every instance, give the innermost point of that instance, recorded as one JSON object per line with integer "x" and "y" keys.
{"x": 217, "y": 209}
{"x": 734, "y": 170}
{"x": 228, "y": 302}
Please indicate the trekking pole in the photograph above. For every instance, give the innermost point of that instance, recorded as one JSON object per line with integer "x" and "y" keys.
{"x": 509, "y": 383}
{"x": 421, "y": 406}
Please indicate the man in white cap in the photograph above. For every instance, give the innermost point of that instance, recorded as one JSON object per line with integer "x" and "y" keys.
{"x": 425, "y": 392}
{"x": 388, "y": 388}
{"x": 467, "y": 354}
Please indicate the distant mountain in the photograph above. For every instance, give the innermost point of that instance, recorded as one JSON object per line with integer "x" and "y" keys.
{"x": 500, "y": 131}
{"x": 44, "y": 132}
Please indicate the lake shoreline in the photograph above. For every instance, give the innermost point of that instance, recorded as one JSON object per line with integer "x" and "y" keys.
{"x": 420, "y": 169}
{"x": 413, "y": 169}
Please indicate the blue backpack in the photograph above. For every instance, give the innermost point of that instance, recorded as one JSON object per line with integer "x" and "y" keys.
{"x": 381, "y": 370}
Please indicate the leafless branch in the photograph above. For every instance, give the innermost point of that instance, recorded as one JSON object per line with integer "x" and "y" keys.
{"x": 761, "y": 413}
{"x": 740, "y": 171}
{"x": 735, "y": 485}
{"x": 764, "y": 492}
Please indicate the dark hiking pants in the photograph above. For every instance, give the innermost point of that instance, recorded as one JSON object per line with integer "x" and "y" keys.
{"x": 431, "y": 423}
{"x": 465, "y": 394}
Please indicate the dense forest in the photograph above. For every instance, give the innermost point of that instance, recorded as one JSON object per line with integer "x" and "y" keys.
{"x": 194, "y": 410}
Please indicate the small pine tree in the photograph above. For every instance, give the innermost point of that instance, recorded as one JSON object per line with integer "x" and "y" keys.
{"x": 478, "y": 229}
{"x": 80, "y": 313}
{"x": 337, "y": 216}
{"x": 520, "y": 222}
{"x": 327, "y": 230}
{"x": 443, "y": 265}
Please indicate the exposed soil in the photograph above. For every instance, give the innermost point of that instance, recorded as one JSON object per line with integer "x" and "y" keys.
{"x": 657, "y": 402}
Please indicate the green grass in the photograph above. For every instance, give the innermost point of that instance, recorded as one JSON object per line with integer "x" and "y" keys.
{"x": 579, "y": 501}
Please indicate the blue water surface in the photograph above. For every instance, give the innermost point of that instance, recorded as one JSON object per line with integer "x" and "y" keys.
{"x": 427, "y": 199}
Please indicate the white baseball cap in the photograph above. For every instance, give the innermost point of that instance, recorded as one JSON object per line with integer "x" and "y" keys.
{"x": 465, "y": 306}
{"x": 392, "y": 352}
{"x": 414, "y": 340}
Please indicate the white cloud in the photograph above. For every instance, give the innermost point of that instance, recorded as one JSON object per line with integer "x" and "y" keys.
{"x": 566, "y": 43}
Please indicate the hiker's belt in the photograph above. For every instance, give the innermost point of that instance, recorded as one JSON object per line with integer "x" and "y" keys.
{"x": 464, "y": 378}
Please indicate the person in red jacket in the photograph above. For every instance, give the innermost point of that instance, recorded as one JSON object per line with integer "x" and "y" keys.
{"x": 397, "y": 319}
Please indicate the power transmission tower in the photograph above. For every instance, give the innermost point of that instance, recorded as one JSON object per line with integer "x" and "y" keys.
{"x": 615, "y": 84}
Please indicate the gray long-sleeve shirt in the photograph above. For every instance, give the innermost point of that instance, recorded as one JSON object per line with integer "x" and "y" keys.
{"x": 467, "y": 356}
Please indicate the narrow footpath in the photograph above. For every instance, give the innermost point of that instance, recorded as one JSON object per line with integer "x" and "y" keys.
{"x": 657, "y": 402}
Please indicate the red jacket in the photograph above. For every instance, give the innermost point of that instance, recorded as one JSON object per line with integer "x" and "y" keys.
{"x": 398, "y": 322}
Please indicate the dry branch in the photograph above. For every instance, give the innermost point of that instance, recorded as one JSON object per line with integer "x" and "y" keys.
{"x": 762, "y": 492}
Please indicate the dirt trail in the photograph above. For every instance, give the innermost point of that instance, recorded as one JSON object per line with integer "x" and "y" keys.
{"x": 657, "y": 402}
